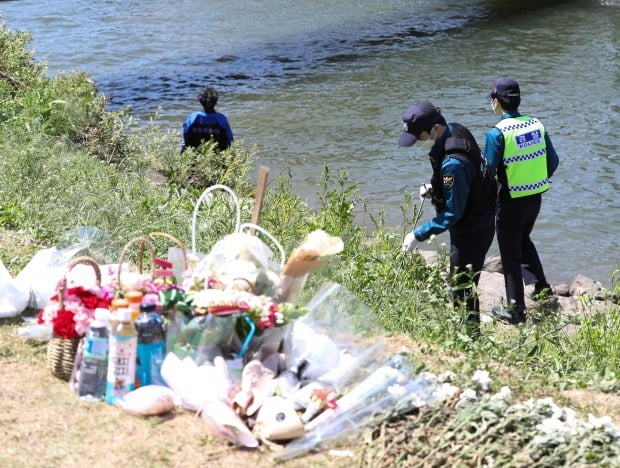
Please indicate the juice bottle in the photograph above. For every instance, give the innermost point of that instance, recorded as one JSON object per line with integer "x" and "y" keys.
{"x": 117, "y": 303}
{"x": 134, "y": 298}
{"x": 122, "y": 361}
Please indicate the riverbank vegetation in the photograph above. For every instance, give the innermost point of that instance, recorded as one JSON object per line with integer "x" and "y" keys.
{"x": 66, "y": 161}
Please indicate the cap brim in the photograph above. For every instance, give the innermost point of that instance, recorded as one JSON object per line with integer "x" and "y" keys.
{"x": 489, "y": 94}
{"x": 407, "y": 139}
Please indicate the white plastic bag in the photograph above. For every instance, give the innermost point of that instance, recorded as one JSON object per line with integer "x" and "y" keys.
{"x": 42, "y": 274}
{"x": 14, "y": 295}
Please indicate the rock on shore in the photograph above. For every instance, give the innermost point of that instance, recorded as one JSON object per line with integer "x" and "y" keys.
{"x": 583, "y": 296}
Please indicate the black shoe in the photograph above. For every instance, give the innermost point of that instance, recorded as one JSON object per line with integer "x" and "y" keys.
{"x": 542, "y": 293}
{"x": 508, "y": 316}
{"x": 546, "y": 299}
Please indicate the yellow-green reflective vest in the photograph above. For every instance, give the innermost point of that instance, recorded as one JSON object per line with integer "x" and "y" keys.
{"x": 525, "y": 155}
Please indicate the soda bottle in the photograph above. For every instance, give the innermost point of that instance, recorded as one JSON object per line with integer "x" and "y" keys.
{"x": 94, "y": 368}
{"x": 122, "y": 361}
{"x": 151, "y": 345}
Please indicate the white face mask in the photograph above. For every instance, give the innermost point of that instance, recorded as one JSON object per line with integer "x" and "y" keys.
{"x": 426, "y": 144}
{"x": 429, "y": 142}
{"x": 494, "y": 107}
{"x": 432, "y": 135}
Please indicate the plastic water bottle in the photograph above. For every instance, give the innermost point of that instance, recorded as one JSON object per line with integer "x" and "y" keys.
{"x": 122, "y": 362}
{"x": 94, "y": 368}
{"x": 151, "y": 346}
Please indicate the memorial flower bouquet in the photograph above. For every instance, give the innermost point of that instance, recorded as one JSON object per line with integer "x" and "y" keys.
{"x": 263, "y": 310}
{"x": 70, "y": 313}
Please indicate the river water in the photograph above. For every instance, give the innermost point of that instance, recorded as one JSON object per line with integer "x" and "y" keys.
{"x": 314, "y": 82}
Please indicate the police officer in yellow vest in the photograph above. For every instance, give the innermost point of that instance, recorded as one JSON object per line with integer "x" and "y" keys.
{"x": 520, "y": 151}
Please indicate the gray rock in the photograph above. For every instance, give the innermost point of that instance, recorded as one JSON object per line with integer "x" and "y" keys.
{"x": 491, "y": 290}
{"x": 561, "y": 289}
{"x": 581, "y": 284}
{"x": 493, "y": 265}
{"x": 573, "y": 306}
{"x": 567, "y": 300}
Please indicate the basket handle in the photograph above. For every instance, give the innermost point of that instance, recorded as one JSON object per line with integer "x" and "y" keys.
{"x": 175, "y": 240}
{"x": 202, "y": 197}
{"x": 84, "y": 260}
{"x": 145, "y": 243}
{"x": 269, "y": 235}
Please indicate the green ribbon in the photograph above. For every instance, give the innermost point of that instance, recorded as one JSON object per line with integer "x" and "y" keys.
{"x": 176, "y": 298}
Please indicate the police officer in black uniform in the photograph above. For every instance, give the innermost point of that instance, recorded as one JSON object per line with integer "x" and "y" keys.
{"x": 463, "y": 193}
{"x": 203, "y": 126}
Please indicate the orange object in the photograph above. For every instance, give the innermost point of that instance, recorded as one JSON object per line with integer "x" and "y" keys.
{"x": 134, "y": 298}
{"x": 116, "y": 304}
{"x": 119, "y": 303}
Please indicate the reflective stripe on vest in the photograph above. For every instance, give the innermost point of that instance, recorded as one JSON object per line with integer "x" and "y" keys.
{"x": 525, "y": 155}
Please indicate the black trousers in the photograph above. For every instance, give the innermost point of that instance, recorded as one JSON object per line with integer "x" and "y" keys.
{"x": 467, "y": 254}
{"x": 515, "y": 221}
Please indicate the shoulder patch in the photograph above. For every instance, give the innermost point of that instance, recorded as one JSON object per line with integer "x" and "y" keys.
{"x": 448, "y": 180}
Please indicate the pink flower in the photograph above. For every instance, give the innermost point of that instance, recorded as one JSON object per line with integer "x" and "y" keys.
{"x": 73, "y": 320}
{"x": 267, "y": 321}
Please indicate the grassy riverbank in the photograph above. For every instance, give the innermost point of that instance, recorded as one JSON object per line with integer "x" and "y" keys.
{"x": 67, "y": 162}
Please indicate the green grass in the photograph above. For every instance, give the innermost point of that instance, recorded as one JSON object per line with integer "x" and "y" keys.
{"x": 68, "y": 162}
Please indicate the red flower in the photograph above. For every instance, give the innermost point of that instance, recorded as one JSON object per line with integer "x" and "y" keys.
{"x": 64, "y": 325}
{"x": 267, "y": 321}
{"x": 213, "y": 283}
{"x": 326, "y": 397}
{"x": 90, "y": 301}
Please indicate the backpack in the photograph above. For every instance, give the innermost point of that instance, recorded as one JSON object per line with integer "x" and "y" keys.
{"x": 461, "y": 145}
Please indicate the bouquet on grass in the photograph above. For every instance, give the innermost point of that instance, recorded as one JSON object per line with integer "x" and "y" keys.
{"x": 70, "y": 316}
{"x": 158, "y": 286}
{"x": 238, "y": 292}
{"x": 70, "y": 312}
{"x": 72, "y": 308}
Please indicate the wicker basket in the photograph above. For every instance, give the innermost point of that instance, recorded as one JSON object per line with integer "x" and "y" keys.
{"x": 61, "y": 351}
{"x": 145, "y": 244}
{"x": 61, "y": 356}
{"x": 180, "y": 245}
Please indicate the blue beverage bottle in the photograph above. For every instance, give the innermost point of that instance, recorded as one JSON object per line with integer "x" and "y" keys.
{"x": 94, "y": 368}
{"x": 122, "y": 361}
{"x": 151, "y": 346}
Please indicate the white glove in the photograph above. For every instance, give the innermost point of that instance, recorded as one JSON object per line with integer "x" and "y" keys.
{"x": 426, "y": 191}
{"x": 409, "y": 242}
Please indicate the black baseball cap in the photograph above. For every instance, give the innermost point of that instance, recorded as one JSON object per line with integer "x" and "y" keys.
{"x": 504, "y": 87}
{"x": 421, "y": 116}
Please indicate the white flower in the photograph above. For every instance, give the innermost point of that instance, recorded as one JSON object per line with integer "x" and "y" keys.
{"x": 445, "y": 391}
{"x": 552, "y": 426}
{"x": 212, "y": 297}
{"x": 467, "y": 397}
{"x": 604, "y": 423}
{"x": 556, "y": 411}
{"x": 481, "y": 380}
{"x": 504, "y": 394}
